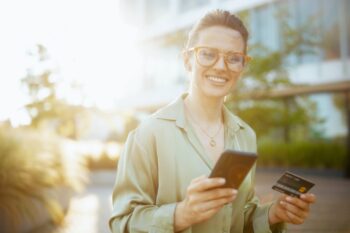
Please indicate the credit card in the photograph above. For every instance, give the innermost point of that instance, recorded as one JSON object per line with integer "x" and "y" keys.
{"x": 292, "y": 185}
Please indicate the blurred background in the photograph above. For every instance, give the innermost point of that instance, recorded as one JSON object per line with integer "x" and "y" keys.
{"x": 77, "y": 76}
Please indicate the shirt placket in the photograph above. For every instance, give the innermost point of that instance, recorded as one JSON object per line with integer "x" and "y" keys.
{"x": 227, "y": 218}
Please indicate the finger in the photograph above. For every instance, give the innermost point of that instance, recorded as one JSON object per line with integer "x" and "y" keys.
{"x": 282, "y": 197}
{"x": 294, "y": 218}
{"x": 301, "y": 213}
{"x": 206, "y": 184}
{"x": 208, "y": 214}
{"x": 202, "y": 177}
{"x": 218, "y": 193}
{"x": 298, "y": 202}
{"x": 310, "y": 197}
{"x": 214, "y": 204}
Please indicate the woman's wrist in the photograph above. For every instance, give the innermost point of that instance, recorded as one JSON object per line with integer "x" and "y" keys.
{"x": 180, "y": 222}
{"x": 273, "y": 219}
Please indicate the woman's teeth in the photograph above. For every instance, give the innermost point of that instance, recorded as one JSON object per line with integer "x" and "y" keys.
{"x": 217, "y": 79}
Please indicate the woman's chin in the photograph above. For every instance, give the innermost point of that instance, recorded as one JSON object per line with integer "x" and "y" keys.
{"x": 216, "y": 92}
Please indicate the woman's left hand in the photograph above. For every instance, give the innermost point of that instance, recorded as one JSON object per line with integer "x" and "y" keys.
{"x": 291, "y": 209}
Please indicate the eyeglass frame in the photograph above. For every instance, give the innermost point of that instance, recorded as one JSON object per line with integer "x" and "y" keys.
{"x": 246, "y": 58}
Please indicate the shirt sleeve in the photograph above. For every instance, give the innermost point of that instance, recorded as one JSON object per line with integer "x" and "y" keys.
{"x": 257, "y": 216}
{"x": 134, "y": 194}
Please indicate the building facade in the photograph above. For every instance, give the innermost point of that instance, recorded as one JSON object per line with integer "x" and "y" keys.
{"x": 321, "y": 56}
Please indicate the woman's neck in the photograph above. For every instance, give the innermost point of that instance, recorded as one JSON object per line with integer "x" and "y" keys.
{"x": 205, "y": 109}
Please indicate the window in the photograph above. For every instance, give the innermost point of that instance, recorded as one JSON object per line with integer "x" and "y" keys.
{"x": 156, "y": 10}
{"x": 308, "y": 25}
{"x": 186, "y": 5}
{"x": 330, "y": 29}
{"x": 347, "y": 21}
{"x": 264, "y": 28}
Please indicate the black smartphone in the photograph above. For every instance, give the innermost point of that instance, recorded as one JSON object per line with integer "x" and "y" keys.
{"x": 233, "y": 166}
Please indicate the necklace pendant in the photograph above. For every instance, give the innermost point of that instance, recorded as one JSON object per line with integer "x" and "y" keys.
{"x": 212, "y": 143}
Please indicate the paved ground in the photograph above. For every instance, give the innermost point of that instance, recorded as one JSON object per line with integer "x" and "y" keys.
{"x": 90, "y": 210}
{"x": 330, "y": 214}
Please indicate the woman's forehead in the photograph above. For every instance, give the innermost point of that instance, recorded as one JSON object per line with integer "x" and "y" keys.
{"x": 221, "y": 37}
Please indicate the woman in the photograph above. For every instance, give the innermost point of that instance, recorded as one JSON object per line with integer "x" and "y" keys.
{"x": 162, "y": 184}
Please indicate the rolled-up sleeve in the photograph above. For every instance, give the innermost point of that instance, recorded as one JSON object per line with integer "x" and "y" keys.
{"x": 257, "y": 216}
{"x": 135, "y": 190}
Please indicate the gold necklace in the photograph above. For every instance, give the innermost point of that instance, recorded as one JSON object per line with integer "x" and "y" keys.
{"x": 212, "y": 142}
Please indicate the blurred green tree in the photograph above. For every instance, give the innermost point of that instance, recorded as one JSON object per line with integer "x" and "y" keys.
{"x": 286, "y": 118}
{"x": 45, "y": 108}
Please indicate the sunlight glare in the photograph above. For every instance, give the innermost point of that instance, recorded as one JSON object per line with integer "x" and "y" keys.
{"x": 86, "y": 40}
{"x": 83, "y": 214}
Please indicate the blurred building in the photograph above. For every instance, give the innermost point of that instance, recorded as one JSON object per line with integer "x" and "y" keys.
{"x": 164, "y": 25}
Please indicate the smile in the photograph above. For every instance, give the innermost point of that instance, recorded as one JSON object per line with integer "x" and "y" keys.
{"x": 217, "y": 79}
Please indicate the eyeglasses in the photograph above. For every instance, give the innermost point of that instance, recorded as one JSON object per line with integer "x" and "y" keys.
{"x": 207, "y": 57}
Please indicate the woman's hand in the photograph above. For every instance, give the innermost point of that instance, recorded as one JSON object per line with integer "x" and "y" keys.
{"x": 291, "y": 209}
{"x": 204, "y": 198}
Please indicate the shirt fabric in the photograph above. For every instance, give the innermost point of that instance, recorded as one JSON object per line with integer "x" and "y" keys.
{"x": 160, "y": 159}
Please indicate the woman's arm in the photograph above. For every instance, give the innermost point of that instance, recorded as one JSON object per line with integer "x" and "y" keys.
{"x": 256, "y": 216}
{"x": 134, "y": 193}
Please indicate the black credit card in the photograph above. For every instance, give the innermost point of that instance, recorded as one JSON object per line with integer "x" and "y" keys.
{"x": 292, "y": 185}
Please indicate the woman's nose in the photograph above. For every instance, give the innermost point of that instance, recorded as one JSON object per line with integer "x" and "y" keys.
{"x": 220, "y": 63}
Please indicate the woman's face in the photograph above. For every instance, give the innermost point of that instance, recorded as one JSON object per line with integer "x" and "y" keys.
{"x": 216, "y": 80}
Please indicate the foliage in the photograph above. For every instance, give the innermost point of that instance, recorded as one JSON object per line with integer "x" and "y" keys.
{"x": 45, "y": 108}
{"x": 268, "y": 71}
{"x": 310, "y": 154}
{"x": 280, "y": 118}
{"x": 102, "y": 162}
{"x": 340, "y": 101}
{"x": 30, "y": 167}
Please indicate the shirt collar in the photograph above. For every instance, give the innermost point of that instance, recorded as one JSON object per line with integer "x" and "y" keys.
{"x": 175, "y": 111}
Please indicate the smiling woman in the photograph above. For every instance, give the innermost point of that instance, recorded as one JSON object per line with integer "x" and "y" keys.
{"x": 162, "y": 182}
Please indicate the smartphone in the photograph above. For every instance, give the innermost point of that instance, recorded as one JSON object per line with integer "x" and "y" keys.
{"x": 234, "y": 167}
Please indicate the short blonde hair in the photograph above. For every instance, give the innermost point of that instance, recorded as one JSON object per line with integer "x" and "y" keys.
{"x": 217, "y": 18}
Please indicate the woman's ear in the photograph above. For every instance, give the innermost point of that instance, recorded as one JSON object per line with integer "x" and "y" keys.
{"x": 186, "y": 60}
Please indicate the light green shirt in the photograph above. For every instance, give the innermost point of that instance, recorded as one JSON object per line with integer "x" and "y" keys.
{"x": 160, "y": 159}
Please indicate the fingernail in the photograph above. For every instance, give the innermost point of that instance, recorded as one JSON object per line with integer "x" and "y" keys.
{"x": 222, "y": 181}
{"x": 303, "y": 196}
{"x": 282, "y": 203}
{"x": 234, "y": 191}
{"x": 289, "y": 198}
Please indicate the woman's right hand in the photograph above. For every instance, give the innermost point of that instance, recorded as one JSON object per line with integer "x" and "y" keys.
{"x": 204, "y": 198}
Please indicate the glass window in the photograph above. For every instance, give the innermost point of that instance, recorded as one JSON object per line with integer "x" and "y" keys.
{"x": 264, "y": 28}
{"x": 186, "y": 5}
{"x": 299, "y": 24}
{"x": 156, "y": 10}
{"x": 129, "y": 10}
{"x": 347, "y": 21}
{"x": 309, "y": 27}
{"x": 286, "y": 15}
{"x": 330, "y": 29}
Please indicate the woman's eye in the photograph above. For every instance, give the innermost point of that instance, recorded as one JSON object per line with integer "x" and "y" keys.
{"x": 207, "y": 54}
{"x": 235, "y": 58}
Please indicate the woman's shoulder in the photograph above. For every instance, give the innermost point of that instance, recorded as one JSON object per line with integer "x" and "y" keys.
{"x": 239, "y": 124}
{"x": 149, "y": 124}
{"x": 244, "y": 125}
{"x": 156, "y": 122}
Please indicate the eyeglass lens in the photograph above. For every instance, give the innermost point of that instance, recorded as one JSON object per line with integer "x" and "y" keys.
{"x": 208, "y": 57}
